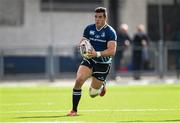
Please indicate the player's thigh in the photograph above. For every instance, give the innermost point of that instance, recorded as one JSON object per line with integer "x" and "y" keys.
{"x": 83, "y": 74}
{"x": 96, "y": 83}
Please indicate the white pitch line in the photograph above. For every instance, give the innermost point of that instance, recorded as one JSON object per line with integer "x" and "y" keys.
{"x": 103, "y": 110}
{"x": 91, "y": 122}
{"x": 26, "y": 104}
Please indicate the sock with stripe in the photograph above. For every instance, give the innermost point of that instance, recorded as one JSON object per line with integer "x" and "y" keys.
{"x": 76, "y": 98}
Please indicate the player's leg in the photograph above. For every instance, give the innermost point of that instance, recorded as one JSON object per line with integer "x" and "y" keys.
{"x": 96, "y": 87}
{"x": 83, "y": 74}
{"x": 100, "y": 72}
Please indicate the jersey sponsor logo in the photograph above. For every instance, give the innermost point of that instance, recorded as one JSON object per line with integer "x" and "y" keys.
{"x": 97, "y": 36}
{"x": 94, "y": 39}
{"x": 91, "y": 32}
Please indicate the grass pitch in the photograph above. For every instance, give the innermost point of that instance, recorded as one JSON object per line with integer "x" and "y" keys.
{"x": 151, "y": 103}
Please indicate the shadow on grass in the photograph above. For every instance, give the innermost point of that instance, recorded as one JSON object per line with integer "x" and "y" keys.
{"x": 58, "y": 116}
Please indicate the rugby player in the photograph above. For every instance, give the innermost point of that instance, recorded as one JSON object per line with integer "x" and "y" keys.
{"x": 103, "y": 38}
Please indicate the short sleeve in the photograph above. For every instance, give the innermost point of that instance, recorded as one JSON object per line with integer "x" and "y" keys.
{"x": 112, "y": 35}
{"x": 86, "y": 33}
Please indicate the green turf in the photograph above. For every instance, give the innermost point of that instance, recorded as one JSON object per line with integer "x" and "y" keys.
{"x": 121, "y": 103}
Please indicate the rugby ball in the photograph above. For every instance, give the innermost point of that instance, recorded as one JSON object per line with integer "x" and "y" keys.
{"x": 85, "y": 47}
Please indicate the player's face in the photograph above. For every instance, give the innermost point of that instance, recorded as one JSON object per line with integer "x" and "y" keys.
{"x": 100, "y": 20}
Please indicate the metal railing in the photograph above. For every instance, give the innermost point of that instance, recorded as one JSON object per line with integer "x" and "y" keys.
{"x": 53, "y": 62}
{"x": 164, "y": 59}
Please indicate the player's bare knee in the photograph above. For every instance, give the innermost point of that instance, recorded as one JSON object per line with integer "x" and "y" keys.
{"x": 79, "y": 79}
{"x": 79, "y": 82}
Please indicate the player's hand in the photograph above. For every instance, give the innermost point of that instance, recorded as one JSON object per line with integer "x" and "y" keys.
{"x": 91, "y": 53}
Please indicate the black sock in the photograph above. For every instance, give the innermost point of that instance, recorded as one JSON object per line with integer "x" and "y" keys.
{"x": 76, "y": 98}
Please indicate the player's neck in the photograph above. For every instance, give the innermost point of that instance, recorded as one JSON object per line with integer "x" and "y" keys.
{"x": 98, "y": 28}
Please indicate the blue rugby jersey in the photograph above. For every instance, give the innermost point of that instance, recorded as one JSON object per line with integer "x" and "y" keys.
{"x": 99, "y": 39}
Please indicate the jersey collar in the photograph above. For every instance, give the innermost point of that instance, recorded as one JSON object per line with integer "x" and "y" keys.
{"x": 105, "y": 25}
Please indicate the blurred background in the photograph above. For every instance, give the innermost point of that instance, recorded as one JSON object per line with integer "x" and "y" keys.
{"x": 38, "y": 38}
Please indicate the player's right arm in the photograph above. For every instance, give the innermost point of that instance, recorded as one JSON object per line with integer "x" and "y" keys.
{"x": 85, "y": 34}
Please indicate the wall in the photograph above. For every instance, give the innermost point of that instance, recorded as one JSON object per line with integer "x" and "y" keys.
{"x": 40, "y": 29}
{"x": 133, "y": 12}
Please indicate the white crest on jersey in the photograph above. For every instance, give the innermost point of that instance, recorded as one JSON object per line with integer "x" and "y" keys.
{"x": 91, "y": 32}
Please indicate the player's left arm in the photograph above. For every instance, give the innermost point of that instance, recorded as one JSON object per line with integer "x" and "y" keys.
{"x": 110, "y": 51}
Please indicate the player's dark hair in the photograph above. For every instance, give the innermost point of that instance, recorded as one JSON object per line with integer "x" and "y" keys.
{"x": 101, "y": 10}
